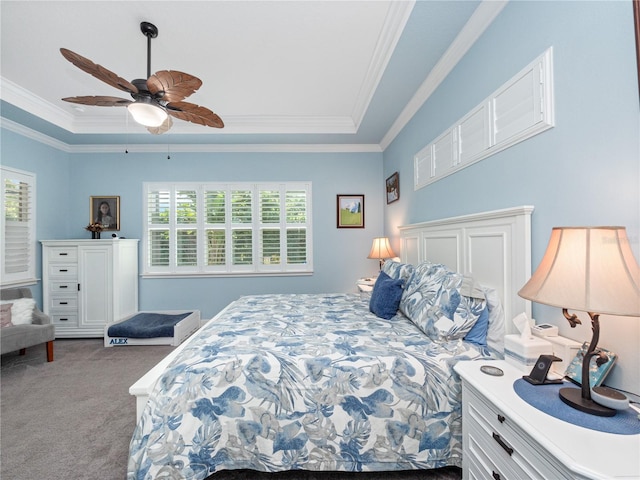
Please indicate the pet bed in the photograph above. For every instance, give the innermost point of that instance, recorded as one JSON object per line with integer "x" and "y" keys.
{"x": 152, "y": 328}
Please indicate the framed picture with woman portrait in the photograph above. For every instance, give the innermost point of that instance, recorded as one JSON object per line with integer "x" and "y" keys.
{"x": 105, "y": 210}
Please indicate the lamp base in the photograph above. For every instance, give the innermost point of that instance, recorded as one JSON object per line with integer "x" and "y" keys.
{"x": 573, "y": 398}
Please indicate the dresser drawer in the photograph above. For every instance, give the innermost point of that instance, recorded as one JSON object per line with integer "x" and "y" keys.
{"x": 481, "y": 465}
{"x": 62, "y": 287}
{"x": 63, "y": 254}
{"x": 497, "y": 460}
{"x": 60, "y": 302}
{"x": 70, "y": 320}
{"x": 505, "y": 443}
{"x": 63, "y": 271}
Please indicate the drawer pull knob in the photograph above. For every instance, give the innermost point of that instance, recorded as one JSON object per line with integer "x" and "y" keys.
{"x": 63, "y": 254}
{"x": 64, "y": 270}
{"x": 64, "y": 319}
{"x": 495, "y": 475}
{"x": 502, "y": 443}
{"x": 64, "y": 286}
{"x": 501, "y": 418}
{"x": 64, "y": 303}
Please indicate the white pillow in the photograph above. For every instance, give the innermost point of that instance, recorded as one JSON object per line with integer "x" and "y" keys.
{"x": 495, "y": 333}
{"x": 21, "y": 310}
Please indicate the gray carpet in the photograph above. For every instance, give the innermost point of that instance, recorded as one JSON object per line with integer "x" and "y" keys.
{"x": 72, "y": 419}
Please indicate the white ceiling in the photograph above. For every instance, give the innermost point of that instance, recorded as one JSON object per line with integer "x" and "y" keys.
{"x": 294, "y": 72}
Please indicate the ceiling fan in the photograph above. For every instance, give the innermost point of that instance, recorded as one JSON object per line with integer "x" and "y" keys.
{"x": 155, "y": 100}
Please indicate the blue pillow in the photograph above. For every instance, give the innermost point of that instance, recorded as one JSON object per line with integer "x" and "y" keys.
{"x": 478, "y": 333}
{"x": 385, "y": 297}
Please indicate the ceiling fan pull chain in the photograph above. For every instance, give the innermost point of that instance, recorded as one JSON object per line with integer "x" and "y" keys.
{"x": 126, "y": 132}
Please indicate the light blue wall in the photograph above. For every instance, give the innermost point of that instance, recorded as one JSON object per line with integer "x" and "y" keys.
{"x": 585, "y": 171}
{"x": 66, "y": 181}
{"x": 339, "y": 254}
{"x": 51, "y": 167}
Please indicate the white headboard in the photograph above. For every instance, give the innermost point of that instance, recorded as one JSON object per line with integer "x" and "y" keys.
{"x": 494, "y": 247}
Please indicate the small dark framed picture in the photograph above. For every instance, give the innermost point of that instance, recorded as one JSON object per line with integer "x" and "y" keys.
{"x": 105, "y": 210}
{"x": 393, "y": 188}
{"x": 350, "y": 212}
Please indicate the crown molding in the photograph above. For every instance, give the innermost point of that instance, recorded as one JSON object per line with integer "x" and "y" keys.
{"x": 16, "y": 95}
{"x": 481, "y": 18}
{"x": 397, "y": 18}
{"x": 169, "y": 148}
{"x": 32, "y": 134}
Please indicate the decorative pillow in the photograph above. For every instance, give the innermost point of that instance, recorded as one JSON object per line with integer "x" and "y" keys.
{"x": 5, "y": 315}
{"x": 478, "y": 333}
{"x": 397, "y": 270}
{"x": 495, "y": 333}
{"x": 22, "y": 311}
{"x": 433, "y": 302}
{"x": 385, "y": 296}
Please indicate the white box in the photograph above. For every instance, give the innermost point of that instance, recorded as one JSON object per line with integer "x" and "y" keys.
{"x": 523, "y": 353}
{"x": 565, "y": 349}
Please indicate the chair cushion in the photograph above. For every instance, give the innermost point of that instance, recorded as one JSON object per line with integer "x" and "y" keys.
{"x": 21, "y": 310}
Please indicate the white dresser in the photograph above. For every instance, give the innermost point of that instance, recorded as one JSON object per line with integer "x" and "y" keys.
{"x": 88, "y": 284}
{"x": 506, "y": 438}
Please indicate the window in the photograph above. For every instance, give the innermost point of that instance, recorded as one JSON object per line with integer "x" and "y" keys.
{"x": 18, "y": 225}
{"x": 518, "y": 110}
{"x": 227, "y": 229}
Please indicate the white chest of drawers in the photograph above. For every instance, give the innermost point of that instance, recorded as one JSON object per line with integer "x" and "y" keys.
{"x": 89, "y": 283}
{"x": 506, "y": 438}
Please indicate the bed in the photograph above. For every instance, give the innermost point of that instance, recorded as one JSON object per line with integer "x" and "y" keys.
{"x": 319, "y": 382}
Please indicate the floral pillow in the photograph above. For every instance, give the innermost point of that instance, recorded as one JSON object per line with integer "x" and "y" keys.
{"x": 397, "y": 270}
{"x": 434, "y": 302}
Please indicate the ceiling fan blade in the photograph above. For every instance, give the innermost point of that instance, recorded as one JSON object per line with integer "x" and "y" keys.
{"x": 99, "y": 101}
{"x": 166, "y": 125}
{"x": 98, "y": 71}
{"x": 176, "y": 85}
{"x": 191, "y": 112}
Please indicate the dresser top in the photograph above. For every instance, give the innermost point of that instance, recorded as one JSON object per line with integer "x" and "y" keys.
{"x": 587, "y": 452}
{"x": 87, "y": 241}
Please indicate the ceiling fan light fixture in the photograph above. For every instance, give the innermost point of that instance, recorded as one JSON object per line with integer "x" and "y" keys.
{"x": 146, "y": 113}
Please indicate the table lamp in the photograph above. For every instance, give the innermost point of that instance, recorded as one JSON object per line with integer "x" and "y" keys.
{"x": 590, "y": 269}
{"x": 381, "y": 249}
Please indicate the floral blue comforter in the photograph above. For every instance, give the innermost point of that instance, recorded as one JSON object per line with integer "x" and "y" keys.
{"x": 314, "y": 382}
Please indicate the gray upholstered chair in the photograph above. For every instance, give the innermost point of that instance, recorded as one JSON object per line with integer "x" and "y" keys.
{"x": 20, "y": 337}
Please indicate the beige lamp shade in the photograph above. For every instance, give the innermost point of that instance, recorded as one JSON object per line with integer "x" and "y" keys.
{"x": 590, "y": 269}
{"x": 381, "y": 249}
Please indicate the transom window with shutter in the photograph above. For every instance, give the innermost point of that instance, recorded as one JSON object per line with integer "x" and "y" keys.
{"x": 230, "y": 228}
{"x": 18, "y": 252}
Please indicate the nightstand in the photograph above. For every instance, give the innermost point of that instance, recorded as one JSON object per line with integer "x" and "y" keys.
{"x": 365, "y": 287}
{"x": 506, "y": 438}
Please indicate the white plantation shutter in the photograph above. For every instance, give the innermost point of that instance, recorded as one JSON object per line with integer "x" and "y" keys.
{"x": 17, "y": 256}
{"x": 215, "y": 201}
{"x": 158, "y": 208}
{"x": 520, "y": 109}
{"x": 270, "y": 213}
{"x": 296, "y": 227}
{"x": 186, "y": 202}
{"x": 232, "y": 228}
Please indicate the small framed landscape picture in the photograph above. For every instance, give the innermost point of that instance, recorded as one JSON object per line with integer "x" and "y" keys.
{"x": 350, "y": 212}
{"x": 105, "y": 210}
{"x": 393, "y": 188}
